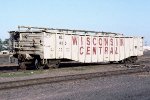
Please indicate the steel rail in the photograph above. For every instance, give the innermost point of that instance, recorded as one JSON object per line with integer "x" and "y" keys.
{"x": 37, "y": 81}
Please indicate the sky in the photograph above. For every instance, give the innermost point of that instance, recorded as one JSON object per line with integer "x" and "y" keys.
{"x": 129, "y": 17}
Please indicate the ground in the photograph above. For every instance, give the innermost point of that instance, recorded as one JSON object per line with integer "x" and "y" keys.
{"x": 123, "y": 87}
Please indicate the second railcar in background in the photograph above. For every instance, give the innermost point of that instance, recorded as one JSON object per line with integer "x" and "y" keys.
{"x": 48, "y": 47}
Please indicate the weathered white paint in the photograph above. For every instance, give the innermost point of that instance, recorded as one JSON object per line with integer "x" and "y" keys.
{"x": 90, "y": 48}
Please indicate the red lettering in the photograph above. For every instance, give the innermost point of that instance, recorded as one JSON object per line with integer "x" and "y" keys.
{"x": 106, "y": 50}
{"x": 74, "y": 39}
{"x": 121, "y": 42}
{"x": 81, "y": 52}
{"x": 110, "y": 45}
{"x": 88, "y": 40}
{"x": 116, "y": 42}
{"x": 111, "y": 42}
{"x": 116, "y": 50}
{"x": 88, "y": 51}
{"x": 106, "y": 41}
{"x": 81, "y": 40}
{"x": 100, "y": 50}
{"x": 94, "y": 41}
{"x": 100, "y": 41}
{"x": 94, "y": 50}
{"x": 111, "y": 50}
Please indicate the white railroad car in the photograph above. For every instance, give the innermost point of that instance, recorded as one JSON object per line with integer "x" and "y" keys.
{"x": 48, "y": 47}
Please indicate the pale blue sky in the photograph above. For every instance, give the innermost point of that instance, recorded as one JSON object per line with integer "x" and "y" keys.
{"x": 130, "y": 17}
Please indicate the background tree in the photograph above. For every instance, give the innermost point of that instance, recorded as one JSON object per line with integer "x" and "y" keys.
{"x": 6, "y": 41}
{"x": 1, "y": 43}
{"x": 4, "y": 45}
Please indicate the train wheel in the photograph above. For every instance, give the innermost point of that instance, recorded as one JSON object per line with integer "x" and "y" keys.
{"x": 49, "y": 65}
{"x": 37, "y": 64}
{"x": 134, "y": 59}
{"x": 120, "y": 62}
{"x": 56, "y": 65}
{"x": 111, "y": 62}
{"x": 22, "y": 66}
{"x": 53, "y": 64}
{"x": 127, "y": 61}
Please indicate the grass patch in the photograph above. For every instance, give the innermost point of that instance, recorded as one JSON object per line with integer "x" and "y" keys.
{"x": 22, "y": 73}
{"x": 79, "y": 69}
{"x": 36, "y": 72}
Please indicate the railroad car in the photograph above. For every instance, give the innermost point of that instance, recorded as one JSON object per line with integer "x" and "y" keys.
{"x": 43, "y": 47}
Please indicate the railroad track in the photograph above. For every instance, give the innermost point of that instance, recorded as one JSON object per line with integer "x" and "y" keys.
{"x": 29, "y": 82}
{"x": 5, "y": 68}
